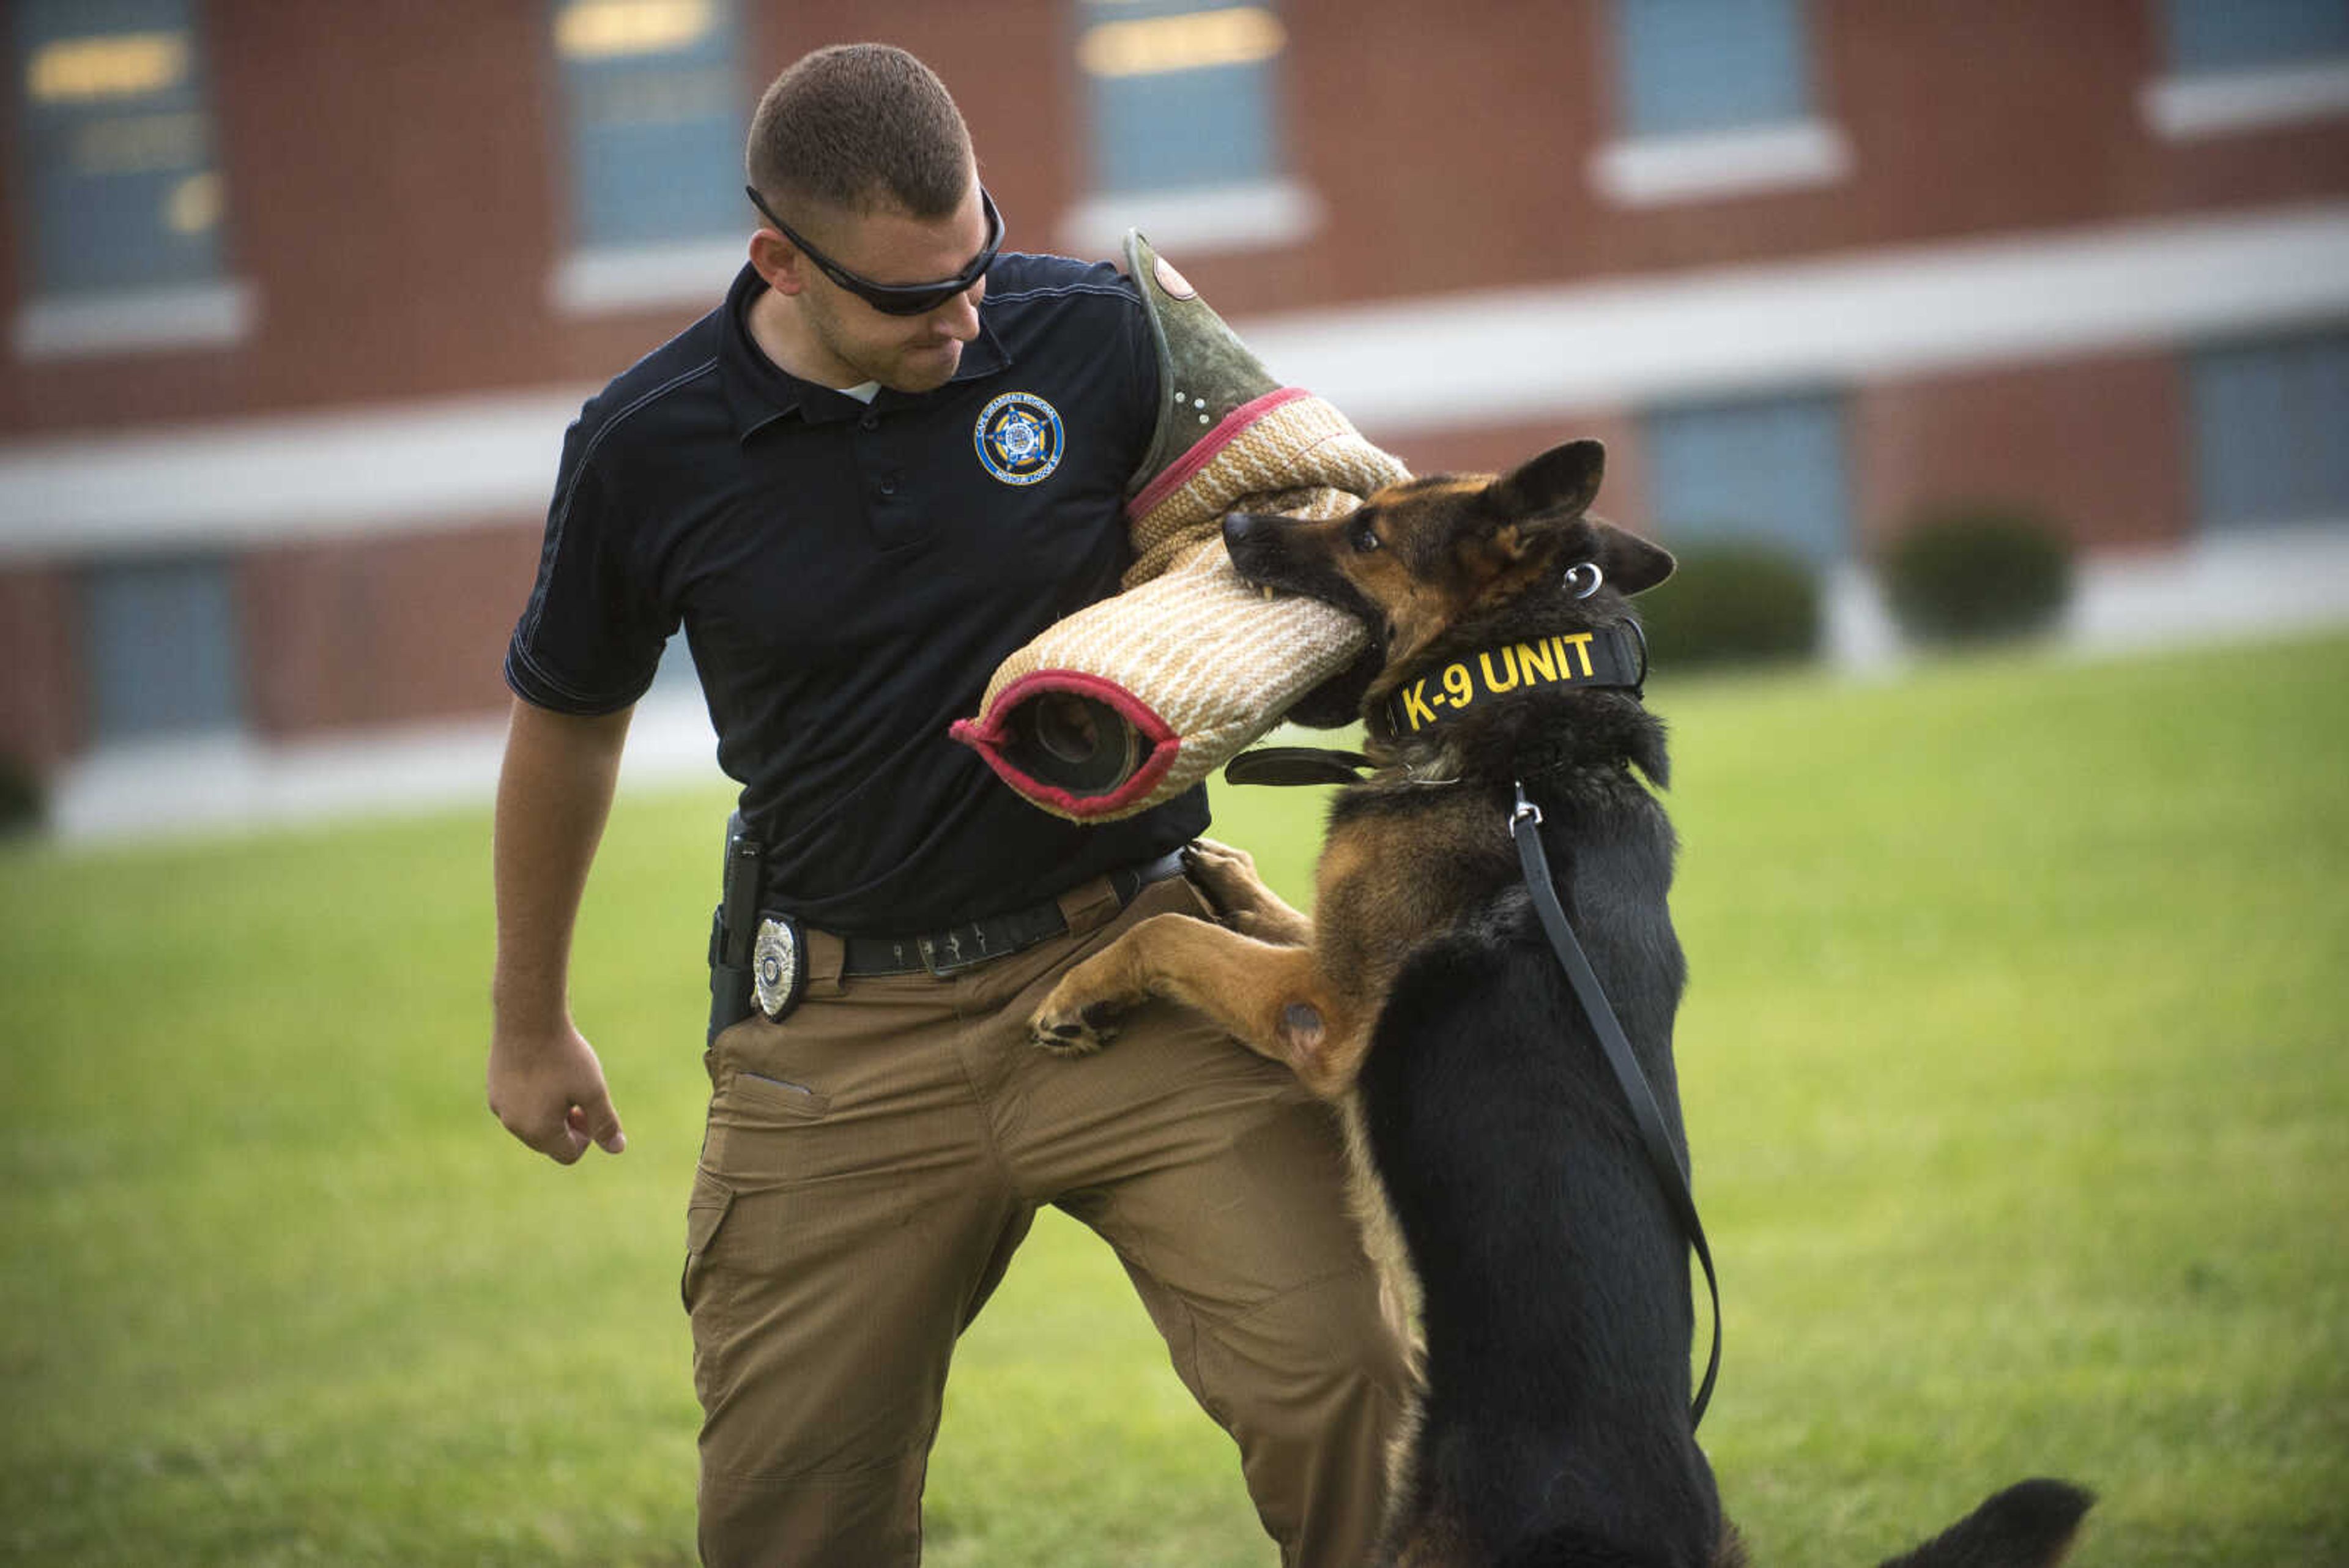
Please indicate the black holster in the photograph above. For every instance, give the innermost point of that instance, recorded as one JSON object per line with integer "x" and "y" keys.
{"x": 732, "y": 929}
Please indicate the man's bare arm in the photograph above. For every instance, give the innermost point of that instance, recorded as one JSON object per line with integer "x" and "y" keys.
{"x": 554, "y": 793}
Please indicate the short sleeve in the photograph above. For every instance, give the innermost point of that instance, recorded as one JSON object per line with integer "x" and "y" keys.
{"x": 590, "y": 640}
{"x": 1141, "y": 357}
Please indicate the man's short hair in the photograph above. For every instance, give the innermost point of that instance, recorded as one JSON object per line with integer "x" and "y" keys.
{"x": 861, "y": 127}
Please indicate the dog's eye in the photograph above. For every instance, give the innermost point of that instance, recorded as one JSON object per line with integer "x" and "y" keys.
{"x": 1583, "y": 578}
{"x": 1366, "y": 538}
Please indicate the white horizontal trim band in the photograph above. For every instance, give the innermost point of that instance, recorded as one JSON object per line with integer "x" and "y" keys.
{"x": 642, "y": 277}
{"x": 1254, "y": 216}
{"x": 2222, "y": 102}
{"x": 1431, "y": 362}
{"x": 192, "y": 786}
{"x": 255, "y": 481}
{"x": 1649, "y": 171}
{"x": 146, "y": 320}
{"x": 1471, "y": 359}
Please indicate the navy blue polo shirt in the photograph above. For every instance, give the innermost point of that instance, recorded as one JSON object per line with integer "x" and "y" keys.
{"x": 849, "y": 577}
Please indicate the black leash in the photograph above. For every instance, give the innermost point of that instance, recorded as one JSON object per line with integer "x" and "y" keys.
{"x": 1525, "y": 824}
{"x": 1316, "y": 765}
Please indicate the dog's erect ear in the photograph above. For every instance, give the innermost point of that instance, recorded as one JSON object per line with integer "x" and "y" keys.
{"x": 1632, "y": 564}
{"x": 1561, "y": 482}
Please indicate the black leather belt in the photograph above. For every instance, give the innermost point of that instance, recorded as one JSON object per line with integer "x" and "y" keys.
{"x": 976, "y": 942}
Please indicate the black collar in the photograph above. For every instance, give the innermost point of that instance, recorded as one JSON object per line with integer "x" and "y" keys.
{"x": 758, "y": 389}
{"x": 1614, "y": 656}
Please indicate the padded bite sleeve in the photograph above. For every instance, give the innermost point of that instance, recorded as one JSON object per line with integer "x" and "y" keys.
{"x": 1131, "y": 700}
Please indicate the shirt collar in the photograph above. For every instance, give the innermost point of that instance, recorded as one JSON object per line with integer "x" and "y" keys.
{"x": 758, "y": 390}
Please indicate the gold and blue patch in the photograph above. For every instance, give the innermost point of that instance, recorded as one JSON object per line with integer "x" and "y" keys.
{"x": 1019, "y": 438}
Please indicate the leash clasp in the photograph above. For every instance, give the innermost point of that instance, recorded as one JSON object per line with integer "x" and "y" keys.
{"x": 1526, "y": 810}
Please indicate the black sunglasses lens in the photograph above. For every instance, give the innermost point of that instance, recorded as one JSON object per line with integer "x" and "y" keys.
{"x": 909, "y": 305}
{"x": 891, "y": 301}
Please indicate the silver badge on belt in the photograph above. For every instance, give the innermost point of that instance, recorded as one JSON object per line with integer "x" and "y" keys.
{"x": 778, "y": 966}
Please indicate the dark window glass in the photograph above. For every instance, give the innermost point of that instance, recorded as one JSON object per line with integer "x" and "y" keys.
{"x": 160, "y": 649}
{"x": 2268, "y": 423}
{"x": 2236, "y": 35}
{"x": 652, "y": 97}
{"x": 116, "y": 154}
{"x": 1687, "y": 66}
{"x": 1181, "y": 93}
{"x": 1769, "y": 470}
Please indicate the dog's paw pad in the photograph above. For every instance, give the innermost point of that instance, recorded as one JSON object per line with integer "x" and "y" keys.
{"x": 1080, "y": 1037}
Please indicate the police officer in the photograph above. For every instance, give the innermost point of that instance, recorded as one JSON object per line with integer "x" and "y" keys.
{"x": 889, "y": 459}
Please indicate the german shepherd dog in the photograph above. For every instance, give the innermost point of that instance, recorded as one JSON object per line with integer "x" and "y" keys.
{"x": 1503, "y": 1184}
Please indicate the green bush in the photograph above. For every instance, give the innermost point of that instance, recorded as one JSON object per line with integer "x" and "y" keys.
{"x": 1978, "y": 575}
{"x": 1730, "y": 603}
{"x": 20, "y": 797}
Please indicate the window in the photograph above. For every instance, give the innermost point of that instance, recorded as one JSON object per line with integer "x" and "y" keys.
{"x": 161, "y": 650}
{"x": 2229, "y": 35}
{"x": 1710, "y": 64}
{"x": 124, "y": 192}
{"x": 2268, "y": 423}
{"x": 1181, "y": 97}
{"x": 1714, "y": 97}
{"x": 655, "y": 120}
{"x": 2241, "y": 65}
{"x": 1766, "y": 471}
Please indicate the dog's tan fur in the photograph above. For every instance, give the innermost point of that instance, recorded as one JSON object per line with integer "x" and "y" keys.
{"x": 1302, "y": 993}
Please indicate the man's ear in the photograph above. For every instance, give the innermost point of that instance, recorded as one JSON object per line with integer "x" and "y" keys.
{"x": 777, "y": 262}
{"x": 1632, "y": 564}
{"x": 1562, "y": 482}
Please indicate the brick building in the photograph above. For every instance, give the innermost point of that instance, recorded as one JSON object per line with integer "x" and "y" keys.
{"x": 300, "y": 298}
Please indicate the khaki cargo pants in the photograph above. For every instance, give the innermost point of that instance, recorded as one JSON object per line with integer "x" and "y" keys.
{"x": 872, "y": 1162}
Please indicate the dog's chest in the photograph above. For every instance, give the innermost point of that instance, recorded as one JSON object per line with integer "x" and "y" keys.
{"x": 1390, "y": 878}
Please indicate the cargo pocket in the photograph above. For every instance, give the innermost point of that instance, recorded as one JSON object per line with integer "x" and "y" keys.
{"x": 705, "y": 1213}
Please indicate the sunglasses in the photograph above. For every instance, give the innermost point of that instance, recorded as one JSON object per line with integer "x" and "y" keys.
{"x": 897, "y": 298}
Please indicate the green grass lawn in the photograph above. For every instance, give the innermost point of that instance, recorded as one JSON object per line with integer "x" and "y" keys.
{"x": 2015, "y": 1065}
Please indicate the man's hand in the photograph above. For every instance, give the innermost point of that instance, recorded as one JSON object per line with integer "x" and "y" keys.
{"x": 553, "y": 794}
{"x": 549, "y": 1092}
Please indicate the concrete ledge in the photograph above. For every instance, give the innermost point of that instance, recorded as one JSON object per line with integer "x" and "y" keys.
{"x": 218, "y": 784}
{"x": 1654, "y": 170}
{"x": 2224, "y": 103}
{"x": 135, "y": 321}
{"x": 296, "y": 476}
{"x": 647, "y": 277}
{"x": 1257, "y": 216}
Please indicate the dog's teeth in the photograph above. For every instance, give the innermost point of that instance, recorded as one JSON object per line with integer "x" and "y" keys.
{"x": 1266, "y": 590}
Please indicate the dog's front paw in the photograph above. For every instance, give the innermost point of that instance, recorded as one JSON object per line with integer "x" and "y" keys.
{"x": 1065, "y": 1028}
{"x": 1226, "y": 873}
{"x": 1228, "y": 877}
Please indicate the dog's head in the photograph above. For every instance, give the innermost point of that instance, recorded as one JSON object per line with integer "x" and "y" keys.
{"x": 1422, "y": 557}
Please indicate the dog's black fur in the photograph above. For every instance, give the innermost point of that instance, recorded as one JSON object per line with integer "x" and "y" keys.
{"x": 1553, "y": 1274}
